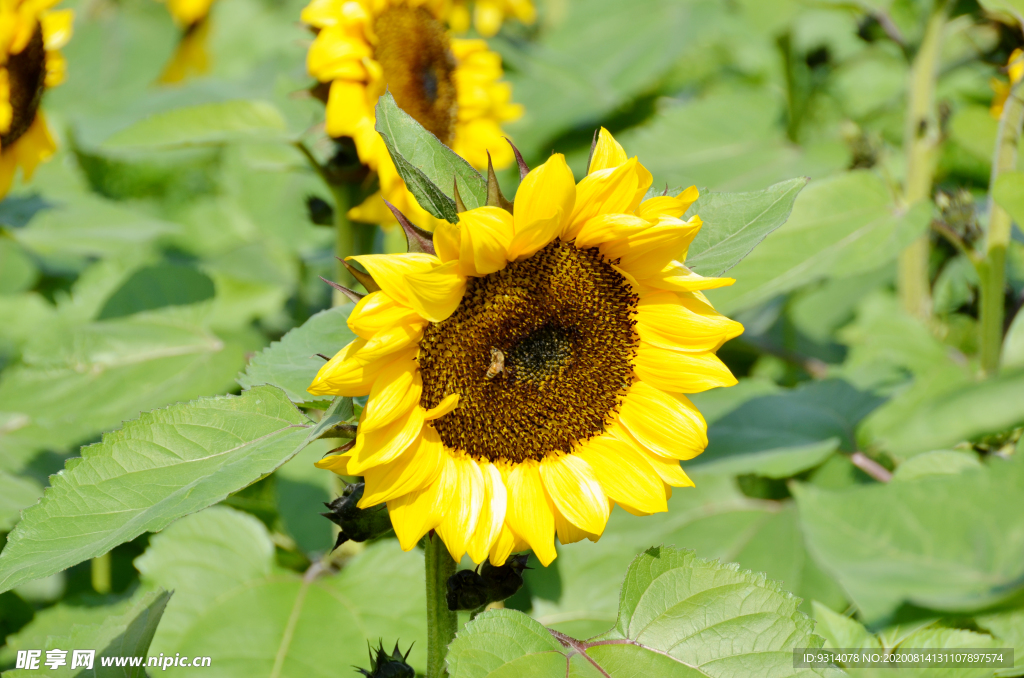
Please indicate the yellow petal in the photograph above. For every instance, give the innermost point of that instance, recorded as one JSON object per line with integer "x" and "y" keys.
{"x": 608, "y": 153}
{"x": 646, "y": 253}
{"x": 389, "y": 341}
{"x": 57, "y": 26}
{"x": 459, "y": 523}
{"x": 492, "y": 514}
{"x": 680, "y": 371}
{"x": 378, "y": 311}
{"x": 669, "y": 470}
{"x": 677, "y": 277}
{"x": 419, "y": 512}
{"x": 416, "y": 468}
{"x": 394, "y": 393}
{"x": 335, "y": 462}
{"x": 668, "y": 206}
{"x": 569, "y": 533}
{"x": 609, "y": 227}
{"x": 544, "y": 201}
{"x": 608, "y": 191}
{"x": 385, "y": 444}
{"x": 486, "y": 235}
{"x": 529, "y": 514}
{"x": 346, "y": 108}
{"x": 505, "y": 545}
{"x": 684, "y": 322}
{"x": 342, "y": 375}
{"x": 625, "y": 474}
{"x": 447, "y": 405}
{"x": 392, "y": 271}
{"x": 435, "y": 294}
{"x": 665, "y": 423}
{"x": 447, "y": 238}
{"x": 575, "y": 492}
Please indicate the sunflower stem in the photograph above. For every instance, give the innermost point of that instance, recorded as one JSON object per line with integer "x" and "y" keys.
{"x": 992, "y": 269}
{"x": 345, "y": 236}
{"x": 100, "y": 571}
{"x": 921, "y": 140}
{"x": 441, "y": 622}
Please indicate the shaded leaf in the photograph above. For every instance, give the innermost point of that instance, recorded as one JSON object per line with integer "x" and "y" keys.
{"x": 158, "y": 286}
{"x": 16, "y": 493}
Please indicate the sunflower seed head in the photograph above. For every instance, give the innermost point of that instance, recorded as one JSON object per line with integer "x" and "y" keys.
{"x": 352, "y": 295}
{"x": 357, "y": 524}
{"x": 494, "y": 196}
{"x": 524, "y": 169}
{"x": 416, "y": 239}
{"x": 364, "y": 279}
{"x": 383, "y": 665}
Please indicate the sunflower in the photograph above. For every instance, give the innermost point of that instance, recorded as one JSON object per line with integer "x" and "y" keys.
{"x": 30, "y": 35}
{"x": 530, "y": 373}
{"x": 191, "y": 56}
{"x": 489, "y": 15}
{"x": 1015, "y": 69}
{"x": 451, "y": 87}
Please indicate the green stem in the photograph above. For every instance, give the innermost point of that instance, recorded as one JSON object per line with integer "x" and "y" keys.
{"x": 921, "y": 141}
{"x": 345, "y": 237}
{"x": 992, "y": 270}
{"x": 441, "y": 622}
{"x": 100, "y": 567}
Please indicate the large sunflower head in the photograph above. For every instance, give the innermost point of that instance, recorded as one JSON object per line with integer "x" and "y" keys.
{"x": 451, "y": 87}
{"x": 531, "y": 372}
{"x": 30, "y": 36}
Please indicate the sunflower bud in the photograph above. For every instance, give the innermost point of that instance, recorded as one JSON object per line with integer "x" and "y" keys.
{"x": 357, "y": 524}
{"x": 320, "y": 211}
{"x": 384, "y": 666}
{"x": 469, "y": 590}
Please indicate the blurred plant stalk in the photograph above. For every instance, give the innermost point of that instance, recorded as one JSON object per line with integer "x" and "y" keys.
{"x": 992, "y": 267}
{"x": 921, "y": 140}
{"x": 442, "y": 623}
{"x": 100, "y": 573}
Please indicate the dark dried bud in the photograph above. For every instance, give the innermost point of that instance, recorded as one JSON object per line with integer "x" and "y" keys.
{"x": 383, "y": 665}
{"x": 470, "y": 590}
{"x": 320, "y": 211}
{"x": 357, "y": 524}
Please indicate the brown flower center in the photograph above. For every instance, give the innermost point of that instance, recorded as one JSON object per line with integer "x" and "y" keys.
{"x": 561, "y": 326}
{"x": 27, "y": 76}
{"x": 415, "y": 55}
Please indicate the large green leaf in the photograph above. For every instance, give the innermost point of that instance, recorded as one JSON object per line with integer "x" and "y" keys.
{"x": 256, "y": 620}
{"x": 678, "y": 616}
{"x": 155, "y": 287}
{"x": 840, "y": 226}
{"x": 16, "y": 493}
{"x": 947, "y": 542}
{"x": 292, "y": 363}
{"x": 201, "y": 557}
{"x": 428, "y": 167}
{"x": 203, "y": 125}
{"x": 781, "y": 435}
{"x": 734, "y": 223}
{"x": 162, "y": 466}
{"x": 121, "y": 630}
{"x": 110, "y": 371}
{"x": 1008, "y": 191}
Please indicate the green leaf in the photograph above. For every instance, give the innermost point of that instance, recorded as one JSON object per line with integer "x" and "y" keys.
{"x": 734, "y": 224}
{"x": 678, "y": 616}
{"x": 781, "y": 435}
{"x": 187, "y": 457}
{"x": 309, "y": 626}
{"x": 122, "y": 630}
{"x": 158, "y": 286}
{"x": 17, "y": 271}
{"x": 936, "y": 463}
{"x": 201, "y": 557}
{"x": 203, "y": 125}
{"x": 111, "y": 371}
{"x": 292, "y": 363}
{"x": 1008, "y": 628}
{"x": 1013, "y": 343}
{"x": 839, "y": 227}
{"x": 16, "y": 493}
{"x": 965, "y": 413}
{"x": 428, "y": 167}
{"x": 946, "y": 542}
{"x": 1008, "y": 191}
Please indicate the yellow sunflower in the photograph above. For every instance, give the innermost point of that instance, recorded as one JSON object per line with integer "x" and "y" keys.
{"x": 1015, "y": 69}
{"x": 191, "y": 55}
{"x": 30, "y": 35}
{"x": 451, "y": 87}
{"x": 531, "y": 373}
{"x": 489, "y": 15}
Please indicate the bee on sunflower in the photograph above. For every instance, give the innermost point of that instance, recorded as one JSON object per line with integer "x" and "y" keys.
{"x": 581, "y": 291}
{"x": 489, "y": 15}
{"x": 452, "y": 87}
{"x": 191, "y": 56}
{"x": 31, "y": 35}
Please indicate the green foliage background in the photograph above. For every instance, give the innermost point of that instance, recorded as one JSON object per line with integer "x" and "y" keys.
{"x": 166, "y": 254}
